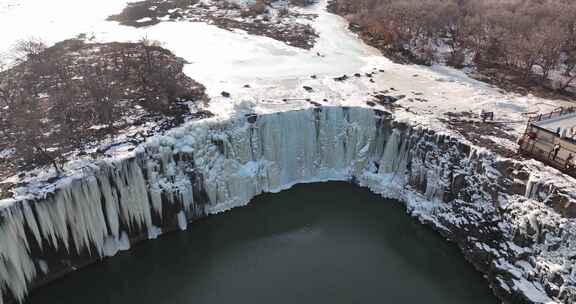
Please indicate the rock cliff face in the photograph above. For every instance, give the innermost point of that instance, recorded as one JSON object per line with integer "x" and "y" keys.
{"x": 503, "y": 214}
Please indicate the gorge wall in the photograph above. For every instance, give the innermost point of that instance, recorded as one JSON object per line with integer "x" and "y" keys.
{"x": 502, "y": 214}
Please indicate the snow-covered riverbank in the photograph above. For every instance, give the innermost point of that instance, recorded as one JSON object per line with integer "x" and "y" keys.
{"x": 225, "y": 60}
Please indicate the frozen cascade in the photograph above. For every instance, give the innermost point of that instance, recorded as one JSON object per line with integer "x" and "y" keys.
{"x": 394, "y": 156}
{"x": 532, "y": 186}
{"x": 225, "y": 163}
{"x": 209, "y": 167}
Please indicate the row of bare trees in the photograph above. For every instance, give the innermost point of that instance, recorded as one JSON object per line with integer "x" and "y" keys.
{"x": 534, "y": 37}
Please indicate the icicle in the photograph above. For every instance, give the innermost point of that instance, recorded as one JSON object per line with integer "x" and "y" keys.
{"x": 115, "y": 244}
{"x": 16, "y": 267}
{"x": 154, "y": 232}
{"x": 435, "y": 186}
{"x": 395, "y": 154}
{"x": 182, "y": 221}
{"x": 134, "y": 204}
{"x": 531, "y": 186}
{"x": 31, "y": 222}
{"x": 86, "y": 217}
{"x": 53, "y": 220}
{"x": 43, "y": 267}
{"x": 110, "y": 198}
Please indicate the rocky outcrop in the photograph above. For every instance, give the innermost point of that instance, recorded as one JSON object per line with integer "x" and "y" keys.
{"x": 500, "y": 212}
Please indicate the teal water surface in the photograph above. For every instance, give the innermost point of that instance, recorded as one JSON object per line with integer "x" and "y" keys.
{"x": 318, "y": 243}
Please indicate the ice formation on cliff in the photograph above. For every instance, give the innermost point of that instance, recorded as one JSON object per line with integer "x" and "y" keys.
{"x": 211, "y": 166}
{"x": 238, "y": 160}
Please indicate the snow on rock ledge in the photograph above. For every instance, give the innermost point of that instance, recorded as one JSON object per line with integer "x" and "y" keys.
{"x": 526, "y": 249}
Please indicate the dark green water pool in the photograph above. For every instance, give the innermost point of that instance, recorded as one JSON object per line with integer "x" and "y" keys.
{"x": 320, "y": 243}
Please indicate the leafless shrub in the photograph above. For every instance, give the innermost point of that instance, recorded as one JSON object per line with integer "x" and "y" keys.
{"x": 28, "y": 49}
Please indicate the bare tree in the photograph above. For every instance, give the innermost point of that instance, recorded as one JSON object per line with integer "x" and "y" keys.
{"x": 8, "y": 89}
{"x": 553, "y": 42}
{"x": 8, "y": 92}
{"x": 34, "y": 137}
{"x": 570, "y": 69}
{"x": 29, "y": 49}
{"x": 102, "y": 94}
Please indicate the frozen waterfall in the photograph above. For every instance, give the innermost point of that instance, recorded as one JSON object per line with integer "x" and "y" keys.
{"x": 204, "y": 168}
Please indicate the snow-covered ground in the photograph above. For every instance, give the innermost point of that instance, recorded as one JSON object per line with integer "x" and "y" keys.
{"x": 565, "y": 122}
{"x": 225, "y": 60}
{"x": 52, "y": 21}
